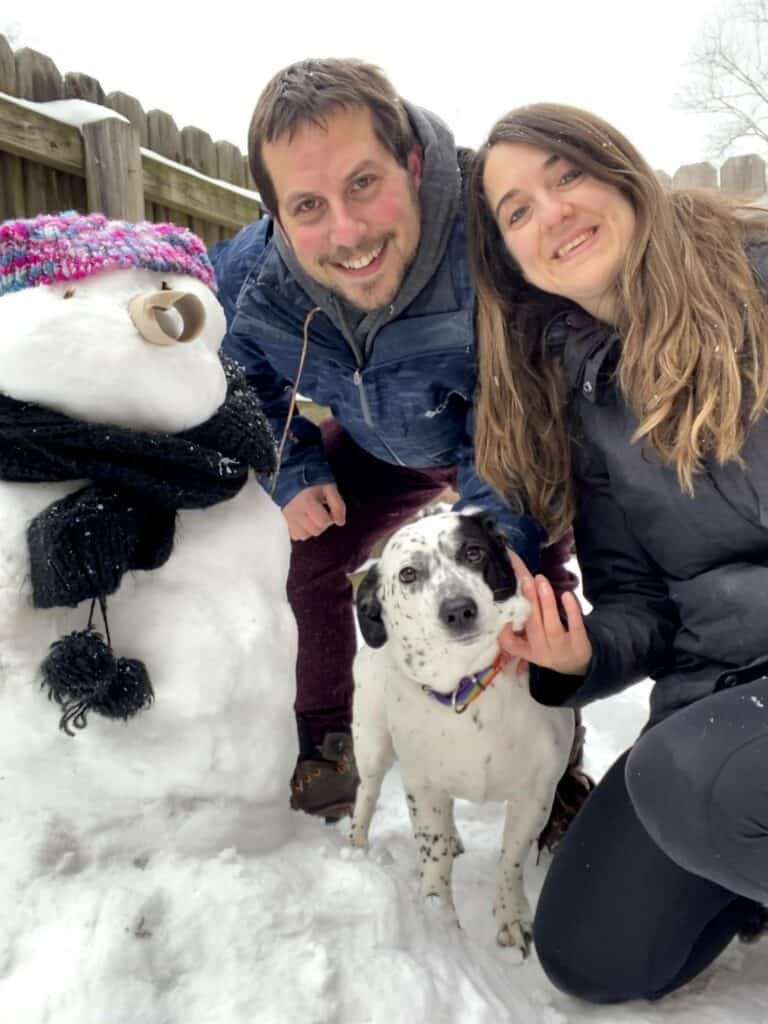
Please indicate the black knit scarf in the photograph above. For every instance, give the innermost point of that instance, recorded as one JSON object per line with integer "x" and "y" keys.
{"x": 124, "y": 518}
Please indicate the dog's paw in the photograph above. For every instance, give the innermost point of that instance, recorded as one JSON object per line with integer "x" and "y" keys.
{"x": 352, "y": 853}
{"x": 440, "y": 910}
{"x": 517, "y": 934}
{"x": 359, "y": 830}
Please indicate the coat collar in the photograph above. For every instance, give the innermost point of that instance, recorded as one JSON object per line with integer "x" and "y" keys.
{"x": 589, "y": 349}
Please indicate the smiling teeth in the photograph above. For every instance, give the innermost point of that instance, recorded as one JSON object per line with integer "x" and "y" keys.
{"x": 574, "y": 242}
{"x": 363, "y": 261}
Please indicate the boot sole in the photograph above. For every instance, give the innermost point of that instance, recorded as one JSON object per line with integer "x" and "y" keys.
{"x": 331, "y": 812}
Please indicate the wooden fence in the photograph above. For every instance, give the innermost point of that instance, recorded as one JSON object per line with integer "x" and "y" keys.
{"x": 139, "y": 165}
{"x": 742, "y": 177}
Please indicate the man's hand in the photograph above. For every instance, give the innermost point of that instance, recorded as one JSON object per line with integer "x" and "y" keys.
{"x": 313, "y": 510}
{"x": 545, "y": 641}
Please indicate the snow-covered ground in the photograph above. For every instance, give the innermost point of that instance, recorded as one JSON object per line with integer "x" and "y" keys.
{"x": 237, "y": 932}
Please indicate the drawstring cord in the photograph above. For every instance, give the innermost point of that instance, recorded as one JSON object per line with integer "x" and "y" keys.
{"x": 103, "y": 606}
{"x": 294, "y": 393}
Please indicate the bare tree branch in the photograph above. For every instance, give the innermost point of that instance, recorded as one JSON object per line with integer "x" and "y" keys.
{"x": 729, "y": 69}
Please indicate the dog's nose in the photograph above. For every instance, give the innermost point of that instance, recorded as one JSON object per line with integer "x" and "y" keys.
{"x": 458, "y": 613}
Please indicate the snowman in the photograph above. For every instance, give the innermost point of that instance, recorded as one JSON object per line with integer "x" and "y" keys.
{"x": 146, "y": 645}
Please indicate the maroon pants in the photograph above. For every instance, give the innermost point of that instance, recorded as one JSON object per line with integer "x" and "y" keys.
{"x": 379, "y": 497}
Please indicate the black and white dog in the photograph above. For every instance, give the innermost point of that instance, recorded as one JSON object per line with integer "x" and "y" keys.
{"x": 429, "y": 691}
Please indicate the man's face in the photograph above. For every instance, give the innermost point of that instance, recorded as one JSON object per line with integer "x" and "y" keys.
{"x": 349, "y": 211}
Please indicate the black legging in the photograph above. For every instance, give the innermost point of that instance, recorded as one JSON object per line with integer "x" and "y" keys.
{"x": 618, "y": 919}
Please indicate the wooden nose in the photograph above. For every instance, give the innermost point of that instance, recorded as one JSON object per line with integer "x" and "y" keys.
{"x": 146, "y": 311}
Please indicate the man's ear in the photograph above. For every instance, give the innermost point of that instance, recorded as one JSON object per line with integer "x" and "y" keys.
{"x": 415, "y": 164}
{"x": 369, "y": 609}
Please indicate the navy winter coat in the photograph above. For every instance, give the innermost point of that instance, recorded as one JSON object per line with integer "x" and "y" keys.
{"x": 409, "y": 404}
{"x": 680, "y": 583}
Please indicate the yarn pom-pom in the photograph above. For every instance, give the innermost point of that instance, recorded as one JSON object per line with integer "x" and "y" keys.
{"x": 79, "y": 667}
{"x": 82, "y": 675}
{"x": 129, "y": 691}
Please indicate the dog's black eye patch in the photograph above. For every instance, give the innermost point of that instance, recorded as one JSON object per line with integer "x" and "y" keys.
{"x": 482, "y": 548}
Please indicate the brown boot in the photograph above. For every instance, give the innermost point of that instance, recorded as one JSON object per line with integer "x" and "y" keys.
{"x": 572, "y": 791}
{"x": 326, "y": 786}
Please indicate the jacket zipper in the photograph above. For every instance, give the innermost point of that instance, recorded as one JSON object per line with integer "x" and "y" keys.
{"x": 357, "y": 378}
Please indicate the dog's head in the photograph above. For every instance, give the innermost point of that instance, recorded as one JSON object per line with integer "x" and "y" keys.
{"x": 440, "y": 593}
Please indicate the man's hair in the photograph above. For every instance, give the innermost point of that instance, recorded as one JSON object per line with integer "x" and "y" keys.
{"x": 307, "y": 92}
{"x": 694, "y": 324}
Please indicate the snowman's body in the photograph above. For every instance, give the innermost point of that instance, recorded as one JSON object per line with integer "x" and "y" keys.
{"x": 211, "y": 756}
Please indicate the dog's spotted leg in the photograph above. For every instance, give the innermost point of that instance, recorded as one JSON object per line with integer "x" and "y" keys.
{"x": 527, "y": 813}
{"x": 514, "y": 920}
{"x": 435, "y": 834}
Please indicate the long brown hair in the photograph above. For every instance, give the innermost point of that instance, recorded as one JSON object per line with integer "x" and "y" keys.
{"x": 693, "y": 321}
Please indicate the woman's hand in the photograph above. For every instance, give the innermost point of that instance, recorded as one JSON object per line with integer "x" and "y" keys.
{"x": 544, "y": 640}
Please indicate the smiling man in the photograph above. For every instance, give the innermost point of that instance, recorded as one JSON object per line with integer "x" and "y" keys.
{"x": 364, "y": 251}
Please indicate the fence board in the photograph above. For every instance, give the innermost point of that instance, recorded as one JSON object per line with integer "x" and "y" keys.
{"x": 28, "y": 133}
{"x": 130, "y": 107}
{"x": 12, "y": 201}
{"x": 36, "y": 188}
{"x": 230, "y": 163}
{"x": 113, "y": 173}
{"x": 194, "y": 196}
{"x": 11, "y": 178}
{"x": 164, "y": 138}
{"x": 7, "y": 68}
{"x": 37, "y": 77}
{"x": 247, "y": 176}
{"x": 78, "y": 86}
{"x": 199, "y": 152}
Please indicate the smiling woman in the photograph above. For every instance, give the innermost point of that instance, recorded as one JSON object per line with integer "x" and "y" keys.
{"x": 567, "y": 231}
{"x": 623, "y": 350}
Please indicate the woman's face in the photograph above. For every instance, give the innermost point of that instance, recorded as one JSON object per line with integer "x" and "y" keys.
{"x": 567, "y": 231}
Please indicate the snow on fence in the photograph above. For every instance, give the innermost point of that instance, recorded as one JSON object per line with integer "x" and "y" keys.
{"x": 135, "y": 165}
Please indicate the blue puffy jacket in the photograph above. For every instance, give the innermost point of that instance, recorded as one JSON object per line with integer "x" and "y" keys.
{"x": 409, "y": 404}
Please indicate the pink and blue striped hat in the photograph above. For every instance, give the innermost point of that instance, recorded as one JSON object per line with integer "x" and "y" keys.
{"x": 70, "y": 246}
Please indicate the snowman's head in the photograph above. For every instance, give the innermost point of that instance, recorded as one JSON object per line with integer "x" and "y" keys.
{"x": 110, "y": 322}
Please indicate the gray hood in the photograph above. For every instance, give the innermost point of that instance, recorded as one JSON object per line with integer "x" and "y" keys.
{"x": 439, "y": 196}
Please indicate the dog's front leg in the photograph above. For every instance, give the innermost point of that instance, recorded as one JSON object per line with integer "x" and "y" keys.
{"x": 434, "y": 831}
{"x": 526, "y": 816}
{"x": 365, "y": 804}
{"x": 374, "y": 755}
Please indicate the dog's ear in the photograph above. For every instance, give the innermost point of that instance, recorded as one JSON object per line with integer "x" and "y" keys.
{"x": 487, "y": 521}
{"x": 369, "y": 609}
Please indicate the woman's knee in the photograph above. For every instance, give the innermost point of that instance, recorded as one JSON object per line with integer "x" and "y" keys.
{"x": 738, "y": 821}
{"x": 702, "y": 796}
{"x": 585, "y": 962}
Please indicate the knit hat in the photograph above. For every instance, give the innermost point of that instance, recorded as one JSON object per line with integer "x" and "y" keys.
{"x": 70, "y": 246}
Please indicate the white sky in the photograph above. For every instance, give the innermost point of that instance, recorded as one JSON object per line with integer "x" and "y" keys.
{"x": 624, "y": 60}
